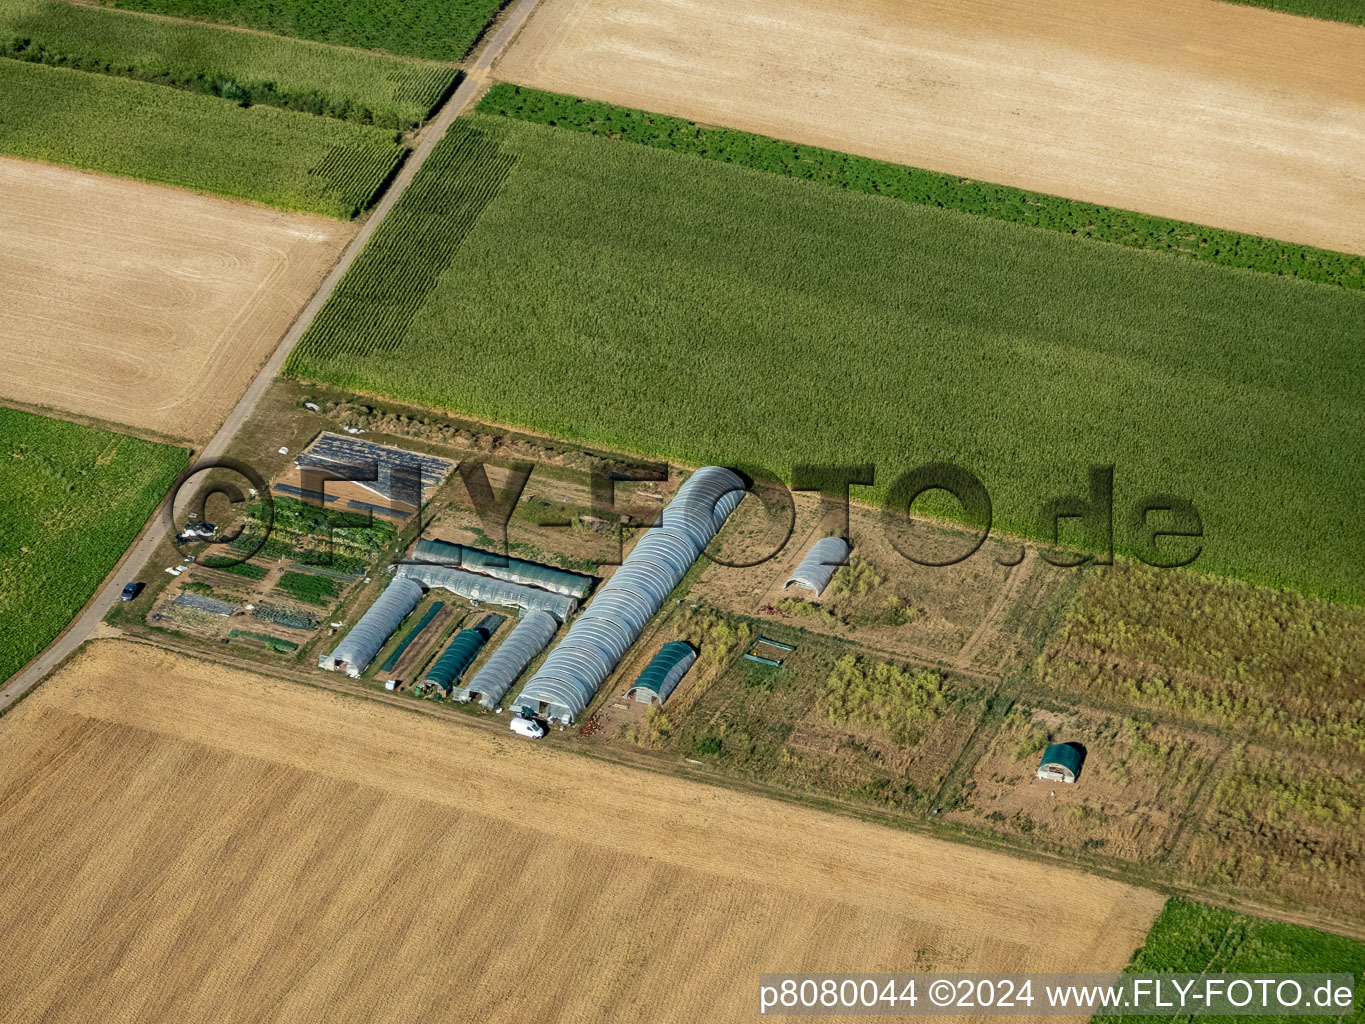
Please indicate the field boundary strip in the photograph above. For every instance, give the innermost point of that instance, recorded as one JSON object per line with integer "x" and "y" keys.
{"x": 928, "y": 188}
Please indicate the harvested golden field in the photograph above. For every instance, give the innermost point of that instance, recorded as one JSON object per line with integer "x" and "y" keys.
{"x": 187, "y": 842}
{"x": 1208, "y": 112}
{"x": 142, "y": 304}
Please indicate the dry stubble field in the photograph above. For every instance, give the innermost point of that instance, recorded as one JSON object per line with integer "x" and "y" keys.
{"x": 1203, "y": 111}
{"x": 142, "y": 304}
{"x": 188, "y": 842}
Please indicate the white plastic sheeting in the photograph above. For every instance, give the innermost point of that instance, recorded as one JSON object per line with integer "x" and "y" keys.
{"x": 613, "y": 620}
{"x": 358, "y": 648}
{"x": 822, "y": 561}
{"x": 505, "y": 664}
{"x": 475, "y": 587}
{"x": 513, "y": 570}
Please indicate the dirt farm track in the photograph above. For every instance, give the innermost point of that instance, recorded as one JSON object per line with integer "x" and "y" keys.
{"x": 1204, "y": 111}
{"x": 186, "y": 842}
{"x": 142, "y": 304}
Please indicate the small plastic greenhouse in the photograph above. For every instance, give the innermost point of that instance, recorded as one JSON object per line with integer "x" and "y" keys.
{"x": 504, "y": 665}
{"x": 822, "y": 561}
{"x": 664, "y": 671}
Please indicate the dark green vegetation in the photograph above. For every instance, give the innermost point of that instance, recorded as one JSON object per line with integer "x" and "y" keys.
{"x": 876, "y": 177}
{"x": 1351, "y": 11}
{"x": 281, "y": 615}
{"x": 1277, "y": 665}
{"x": 278, "y": 157}
{"x": 1193, "y": 938}
{"x": 250, "y": 570}
{"x": 346, "y": 542}
{"x": 245, "y": 67}
{"x": 274, "y": 643}
{"x": 308, "y": 587}
{"x": 633, "y": 298}
{"x": 74, "y": 499}
{"x": 436, "y": 29}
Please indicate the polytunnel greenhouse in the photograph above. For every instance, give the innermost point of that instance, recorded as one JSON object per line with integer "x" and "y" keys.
{"x": 663, "y": 673}
{"x": 367, "y": 636}
{"x": 504, "y": 665}
{"x": 599, "y": 637}
{"x": 475, "y": 587}
{"x": 461, "y": 653}
{"x": 513, "y": 570}
{"x": 822, "y": 561}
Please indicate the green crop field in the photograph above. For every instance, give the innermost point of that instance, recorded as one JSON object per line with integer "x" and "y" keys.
{"x": 1351, "y": 11}
{"x": 307, "y": 587}
{"x": 278, "y": 157}
{"x": 1192, "y": 938}
{"x": 246, "y": 67}
{"x": 75, "y": 497}
{"x": 646, "y": 300}
{"x": 437, "y": 29}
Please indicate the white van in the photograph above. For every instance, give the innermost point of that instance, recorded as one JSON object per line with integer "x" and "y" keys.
{"x": 528, "y": 727}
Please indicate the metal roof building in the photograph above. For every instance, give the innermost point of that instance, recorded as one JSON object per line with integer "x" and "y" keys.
{"x": 504, "y": 665}
{"x": 461, "y": 652}
{"x": 513, "y": 570}
{"x": 664, "y": 671}
{"x": 822, "y": 561}
{"x": 367, "y": 636}
{"x": 1061, "y": 762}
{"x": 475, "y": 587}
{"x": 569, "y": 677}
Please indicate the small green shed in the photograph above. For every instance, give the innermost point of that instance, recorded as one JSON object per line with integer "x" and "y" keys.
{"x": 663, "y": 672}
{"x": 1061, "y": 762}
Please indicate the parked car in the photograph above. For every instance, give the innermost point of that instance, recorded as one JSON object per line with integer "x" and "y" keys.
{"x": 527, "y": 727}
{"x": 130, "y": 591}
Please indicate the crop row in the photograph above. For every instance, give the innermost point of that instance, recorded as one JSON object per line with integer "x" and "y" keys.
{"x": 912, "y": 185}
{"x": 633, "y": 298}
{"x": 1349, "y": 11}
{"x": 75, "y": 497}
{"x": 247, "y": 68}
{"x": 434, "y": 29}
{"x": 282, "y": 158}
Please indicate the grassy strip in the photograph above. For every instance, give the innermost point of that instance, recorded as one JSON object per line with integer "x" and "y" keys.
{"x": 144, "y": 131}
{"x": 75, "y": 497}
{"x": 632, "y": 298}
{"x": 247, "y": 68}
{"x": 911, "y": 185}
{"x": 435, "y": 29}
{"x": 1193, "y": 938}
{"x": 1349, "y": 11}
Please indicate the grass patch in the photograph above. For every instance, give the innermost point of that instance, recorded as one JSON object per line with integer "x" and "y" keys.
{"x": 891, "y": 698}
{"x": 119, "y": 126}
{"x": 435, "y": 29}
{"x": 244, "y": 67}
{"x": 912, "y": 185}
{"x": 633, "y": 298}
{"x": 1192, "y": 938}
{"x": 308, "y": 588}
{"x": 75, "y": 497}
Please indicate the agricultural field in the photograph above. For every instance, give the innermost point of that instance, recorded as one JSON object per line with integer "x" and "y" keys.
{"x": 1332, "y": 10}
{"x": 444, "y": 30}
{"x": 246, "y": 67}
{"x": 281, "y": 158}
{"x": 141, "y": 304}
{"x": 1212, "y": 113}
{"x": 336, "y": 822}
{"x": 703, "y": 279}
{"x": 75, "y": 497}
{"x": 1192, "y": 938}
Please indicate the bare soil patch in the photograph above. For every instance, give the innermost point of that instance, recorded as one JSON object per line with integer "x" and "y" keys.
{"x": 1202, "y": 111}
{"x": 187, "y": 842}
{"x": 142, "y": 304}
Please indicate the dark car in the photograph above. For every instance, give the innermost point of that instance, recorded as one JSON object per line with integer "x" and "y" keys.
{"x": 130, "y": 591}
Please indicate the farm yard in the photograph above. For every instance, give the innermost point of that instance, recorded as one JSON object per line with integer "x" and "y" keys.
{"x": 120, "y": 126}
{"x": 75, "y": 497}
{"x": 278, "y": 770}
{"x": 697, "y": 278}
{"x": 246, "y": 67}
{"x": 445, "y": 30}
{"x": 144, "y": 305}
{"x": 1244, "y": 119}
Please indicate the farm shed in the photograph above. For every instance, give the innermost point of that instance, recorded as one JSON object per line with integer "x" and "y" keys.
{"x": 513, "y": 570}
{"x": 461, "y": 652}
{"x": 504, "y": 665}
{"x": 595, "y": 643}
{"x": 367, "y": 636}
{"x": 474, "y": 587}
{"x": 404, "y": 476}
{"x": 823, "y": 559}
{"x": 664, "y": 671}
{"x": 1061, "y": 762}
